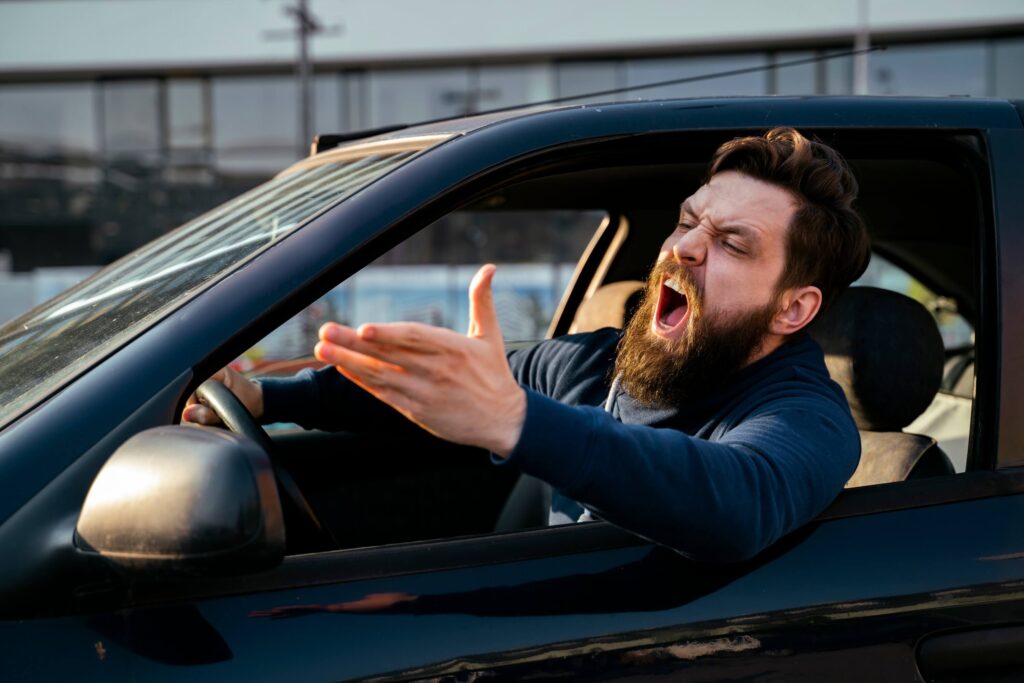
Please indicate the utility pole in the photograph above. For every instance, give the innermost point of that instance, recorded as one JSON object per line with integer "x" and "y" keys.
{"x": 308, "y": 26}
{"x": 861, "y": 42}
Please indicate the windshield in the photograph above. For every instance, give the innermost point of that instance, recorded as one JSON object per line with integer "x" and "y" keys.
{"x": 51, "y": 345}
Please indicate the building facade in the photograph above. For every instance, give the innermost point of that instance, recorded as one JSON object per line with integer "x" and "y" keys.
{"x": 120, "y": 120}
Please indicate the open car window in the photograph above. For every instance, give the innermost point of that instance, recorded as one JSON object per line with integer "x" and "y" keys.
{"x": 390, "y": 490}
{"x": 426, "y": 279}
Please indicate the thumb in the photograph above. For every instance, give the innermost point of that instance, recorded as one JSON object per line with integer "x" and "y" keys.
{"x": 483, "y": 321}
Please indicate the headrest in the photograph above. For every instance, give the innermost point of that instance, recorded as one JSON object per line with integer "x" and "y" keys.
{"x": 610, "y": 305}
{"x": 886, "y": 352}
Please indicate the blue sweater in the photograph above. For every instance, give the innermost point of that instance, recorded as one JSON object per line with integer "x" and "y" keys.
{"x": 718, "y": 479}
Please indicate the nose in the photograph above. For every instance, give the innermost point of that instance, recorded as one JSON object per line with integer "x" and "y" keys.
{"x": 690, "y": 247}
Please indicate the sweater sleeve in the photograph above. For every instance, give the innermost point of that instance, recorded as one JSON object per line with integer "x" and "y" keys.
{"x": 324, "y": 399}
{"x": 717, "y": 501}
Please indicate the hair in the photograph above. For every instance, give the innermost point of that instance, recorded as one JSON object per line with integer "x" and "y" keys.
{"x": 827, "y": 242}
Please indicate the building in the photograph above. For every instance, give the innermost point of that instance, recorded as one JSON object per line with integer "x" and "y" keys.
{"x": 122, "y": 119}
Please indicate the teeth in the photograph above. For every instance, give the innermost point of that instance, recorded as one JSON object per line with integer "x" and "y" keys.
{"x": 675, "y": 287}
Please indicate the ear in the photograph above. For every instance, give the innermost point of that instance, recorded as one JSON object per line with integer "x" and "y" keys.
{"x": 798, "y": 307}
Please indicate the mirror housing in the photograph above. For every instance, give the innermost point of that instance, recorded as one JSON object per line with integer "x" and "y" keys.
{"x": 184, "y": 500}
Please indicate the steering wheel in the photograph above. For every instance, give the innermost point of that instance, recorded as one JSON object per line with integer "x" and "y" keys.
{"x": 237, "y": 418}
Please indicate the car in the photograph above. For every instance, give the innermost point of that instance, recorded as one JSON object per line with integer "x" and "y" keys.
{"x": 136, "y": 547}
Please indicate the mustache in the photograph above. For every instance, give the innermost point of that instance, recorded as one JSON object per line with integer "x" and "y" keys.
{"x": 673, "y": 271}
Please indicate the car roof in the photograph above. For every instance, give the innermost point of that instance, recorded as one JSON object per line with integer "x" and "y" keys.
{"x": 645, "y": 116}
{"x": 752, "y": 112}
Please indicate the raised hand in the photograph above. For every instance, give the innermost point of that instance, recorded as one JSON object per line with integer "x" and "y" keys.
{"x": 457, "y": 387}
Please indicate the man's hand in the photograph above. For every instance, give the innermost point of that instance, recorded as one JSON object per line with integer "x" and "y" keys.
{"x": 459, "y": 388}
{"x": 249, "y": 393}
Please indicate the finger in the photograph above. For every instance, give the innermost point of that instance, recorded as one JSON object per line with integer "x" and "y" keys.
{"x": 405, "y": 356}
{"x": 410, "y": 336}
{"x": 483, "y": 321}
{"x": 367, "y": 371}
{"x": 199, "y": 414}
{"x": 219, "y": 376}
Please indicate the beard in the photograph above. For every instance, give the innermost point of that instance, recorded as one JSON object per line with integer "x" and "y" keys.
{"x": 666, "y": 373}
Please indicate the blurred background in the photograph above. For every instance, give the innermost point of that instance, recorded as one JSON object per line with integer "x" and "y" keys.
{"x": 122, "y": 119}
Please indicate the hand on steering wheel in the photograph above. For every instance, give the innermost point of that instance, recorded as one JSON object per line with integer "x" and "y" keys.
{"x": 218, "y": 398}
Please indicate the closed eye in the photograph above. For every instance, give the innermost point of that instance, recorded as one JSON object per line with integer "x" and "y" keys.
{"x": 734, "y": 247}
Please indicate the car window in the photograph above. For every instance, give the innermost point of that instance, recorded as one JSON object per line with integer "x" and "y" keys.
{"x": 426, "y": 279}
{"x": 377, "y": 488}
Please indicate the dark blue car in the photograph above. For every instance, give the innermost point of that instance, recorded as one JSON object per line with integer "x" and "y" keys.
{"x": 137, "y": 548}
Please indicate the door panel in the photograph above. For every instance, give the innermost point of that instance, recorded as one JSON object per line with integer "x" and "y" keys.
{"x": 847, "y": 599}
{"x": 375, "y": 489}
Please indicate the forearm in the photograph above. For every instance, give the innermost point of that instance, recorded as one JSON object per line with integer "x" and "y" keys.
{"x": 713, "y": 501}
{"x": 323, "y": 399}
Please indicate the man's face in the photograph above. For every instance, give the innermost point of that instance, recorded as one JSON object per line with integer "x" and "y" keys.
{"x": 712, "y": 295}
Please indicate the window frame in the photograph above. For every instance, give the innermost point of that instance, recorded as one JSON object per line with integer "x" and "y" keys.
{"x": 403, "y": 558}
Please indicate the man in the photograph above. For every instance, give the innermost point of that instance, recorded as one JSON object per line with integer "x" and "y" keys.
{"x": 709, "y": 425}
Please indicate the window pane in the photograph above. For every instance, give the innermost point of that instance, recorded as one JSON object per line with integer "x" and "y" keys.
{"x": 422, "y": 95}
{"x": 185, "y": 113}
{"x": 798, "y": 79}
{"x": 1008, "y": 71}
{"x": 576, "y": 78}
{"x": 949, "y": 69}
{"x": 131, "y": 124}
{"x": 49, "y": 116}
{"x": 640, "y": 72}
{"x": 509, "y": 86}
{"x": 326, "y": 104}
{"x": 256, "y": 123}
{"x": 839, "y": 75}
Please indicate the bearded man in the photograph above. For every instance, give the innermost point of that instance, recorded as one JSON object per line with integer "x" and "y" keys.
{"x": 709, "y": 425}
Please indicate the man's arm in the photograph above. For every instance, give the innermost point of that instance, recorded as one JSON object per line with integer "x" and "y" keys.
{"x": 715, "y": 501}
{"x": 314, "y": 399}
{"x": 722, "y": 500}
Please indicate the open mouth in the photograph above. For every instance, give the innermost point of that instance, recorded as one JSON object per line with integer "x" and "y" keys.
{"x": 672, "y": 310}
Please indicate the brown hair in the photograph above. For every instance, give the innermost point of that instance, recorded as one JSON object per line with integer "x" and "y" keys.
{"x": 827, "y": 243}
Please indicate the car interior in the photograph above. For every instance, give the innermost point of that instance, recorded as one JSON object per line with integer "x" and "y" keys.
{"x": 901, "y": 344}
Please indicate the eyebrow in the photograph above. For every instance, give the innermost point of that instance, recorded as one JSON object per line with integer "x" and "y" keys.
{"x": 741, "y": 230}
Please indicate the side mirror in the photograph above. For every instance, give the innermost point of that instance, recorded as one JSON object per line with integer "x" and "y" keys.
{"x": 184, "y": 500}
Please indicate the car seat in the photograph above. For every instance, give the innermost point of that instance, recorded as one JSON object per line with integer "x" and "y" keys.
{"x": 885, "y": 351}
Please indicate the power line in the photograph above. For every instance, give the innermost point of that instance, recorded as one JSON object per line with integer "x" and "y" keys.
{"x": 688, "y": 79}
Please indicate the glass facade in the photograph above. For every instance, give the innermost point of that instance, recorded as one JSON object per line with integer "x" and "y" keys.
{"x": 51, "y": 117}
{"x": 255, "y": 122}
{"x": 952, "y": 69}
{"x": 99, "y": 166}
{"x": 131, "y": 116}
{"x": 644, "y": 71}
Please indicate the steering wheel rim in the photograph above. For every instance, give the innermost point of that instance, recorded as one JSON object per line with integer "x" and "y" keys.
{"x": 236, "y": 417}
